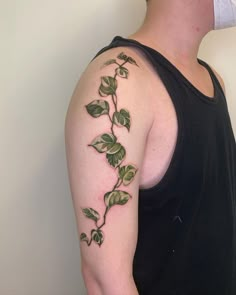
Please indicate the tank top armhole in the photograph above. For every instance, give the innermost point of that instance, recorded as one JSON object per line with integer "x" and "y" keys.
{"x": 178, "y": 148}
{"x": 213, "y": 75}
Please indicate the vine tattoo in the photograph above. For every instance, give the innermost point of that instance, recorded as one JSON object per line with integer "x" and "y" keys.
{"x": 108, "y": 144}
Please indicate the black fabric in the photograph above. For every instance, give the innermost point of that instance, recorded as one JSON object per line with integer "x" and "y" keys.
{"x": 187, "y": 222}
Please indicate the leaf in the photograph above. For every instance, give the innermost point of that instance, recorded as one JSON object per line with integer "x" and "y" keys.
{"x": 116, "y": 198}
{"x": 109, "y": 62}
{"x": 84, "y": 238}
{"x": 122, "y": 56}
{"x": 122, "y": 172}
{"x": 98, "y": 108}
{"x": 108, "y": 137}
{"x": 132, "y": 61}
{"x": 106, "y": 143}
{"x": 114, "y": 149}
{"x": 122, "y": 72}
{"x": 116, "y": 158}
{"x": 97, "y": 236}
{"x": 103, "y": 142}
{"x": 122, "y": 118}
{"x": 126, "y": 115}
{"x": 127, "y": 58}
{"x": 108, "y": 86}
{"x": 91, "y": 213}
{"x": 127, "y": 174}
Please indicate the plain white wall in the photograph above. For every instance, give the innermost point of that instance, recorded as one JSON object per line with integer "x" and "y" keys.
{"x": 45, "y": 47}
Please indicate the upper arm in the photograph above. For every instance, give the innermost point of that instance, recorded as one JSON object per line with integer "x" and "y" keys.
{"x": 106, "y": 128}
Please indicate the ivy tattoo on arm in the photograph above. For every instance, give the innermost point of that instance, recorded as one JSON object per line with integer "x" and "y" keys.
{"x": 108, "y": 144}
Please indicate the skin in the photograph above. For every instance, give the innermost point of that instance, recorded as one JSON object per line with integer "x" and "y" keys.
{"x": 149, "y": 144}
{"x": 162, "y": 26}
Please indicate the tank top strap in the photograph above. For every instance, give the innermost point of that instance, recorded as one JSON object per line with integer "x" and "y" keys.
{"x": 119, "y": 41}
{"x": 161, "y": 65}
{"x": 164, "y": 68}
{"x": 212, "y": 74}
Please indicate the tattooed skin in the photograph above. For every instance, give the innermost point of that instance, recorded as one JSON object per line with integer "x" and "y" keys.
{"x": 108, "y": 144}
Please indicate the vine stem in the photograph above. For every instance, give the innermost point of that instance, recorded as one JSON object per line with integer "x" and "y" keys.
{"x": 112, "y": 130}
{"x": 114, "y": 95}
{"x": 110, "y": 118}
{"x": 104, "y": 219}
{"x": 114, "y": 101}
{"x": 123, "y": 63}
{"x": 118, "y": 183}
{"x": 90, "y": 242}
{"x": 112, "y": 124}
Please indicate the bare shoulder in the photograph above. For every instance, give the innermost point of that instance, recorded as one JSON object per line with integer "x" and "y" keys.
{"x": 123, "y": 63}
{"x": 118, "y": 72}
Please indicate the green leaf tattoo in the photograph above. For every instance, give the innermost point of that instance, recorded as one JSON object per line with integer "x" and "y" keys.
{"x": 84, "y": 238}
{"x": 109, "y": 62}
{"x": 116, "y": 198}
{"x": 108, "y": 86}
{"x": 117, "y": 156}
{"x": 122, "y": 72}
{"x": 97, "y": 236}
{"x": 103, "y": 142}
{"x": 107, "y": 143}
{"x": 122, "y": 118}
{"x": 126, "y": 58}
{"x": 98, "y": 108}
{"x": 127, "y": 174}
{"x": 91, "y": 213}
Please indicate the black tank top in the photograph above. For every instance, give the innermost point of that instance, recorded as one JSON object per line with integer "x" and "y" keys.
{"x": 187, "y": 222}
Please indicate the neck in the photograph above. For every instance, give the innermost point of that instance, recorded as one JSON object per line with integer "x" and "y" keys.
{"x": 176, "y": 28}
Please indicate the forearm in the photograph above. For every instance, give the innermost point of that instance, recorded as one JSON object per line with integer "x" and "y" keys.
{"x": 108, "y": 287}
{"x": 129, "y": 289}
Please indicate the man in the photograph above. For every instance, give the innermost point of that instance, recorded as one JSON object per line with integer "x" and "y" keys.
{"x": 152, "y": 160}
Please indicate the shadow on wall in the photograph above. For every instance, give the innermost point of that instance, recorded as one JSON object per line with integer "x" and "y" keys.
{"x": 55, "y": 233}
{"x": 54, "y": 217}
{"x": 45, "y": 253}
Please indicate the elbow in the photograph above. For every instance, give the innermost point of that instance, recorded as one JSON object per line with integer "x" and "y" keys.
{"x": 91, "y": 282}
{"x": 108, "y": 283}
